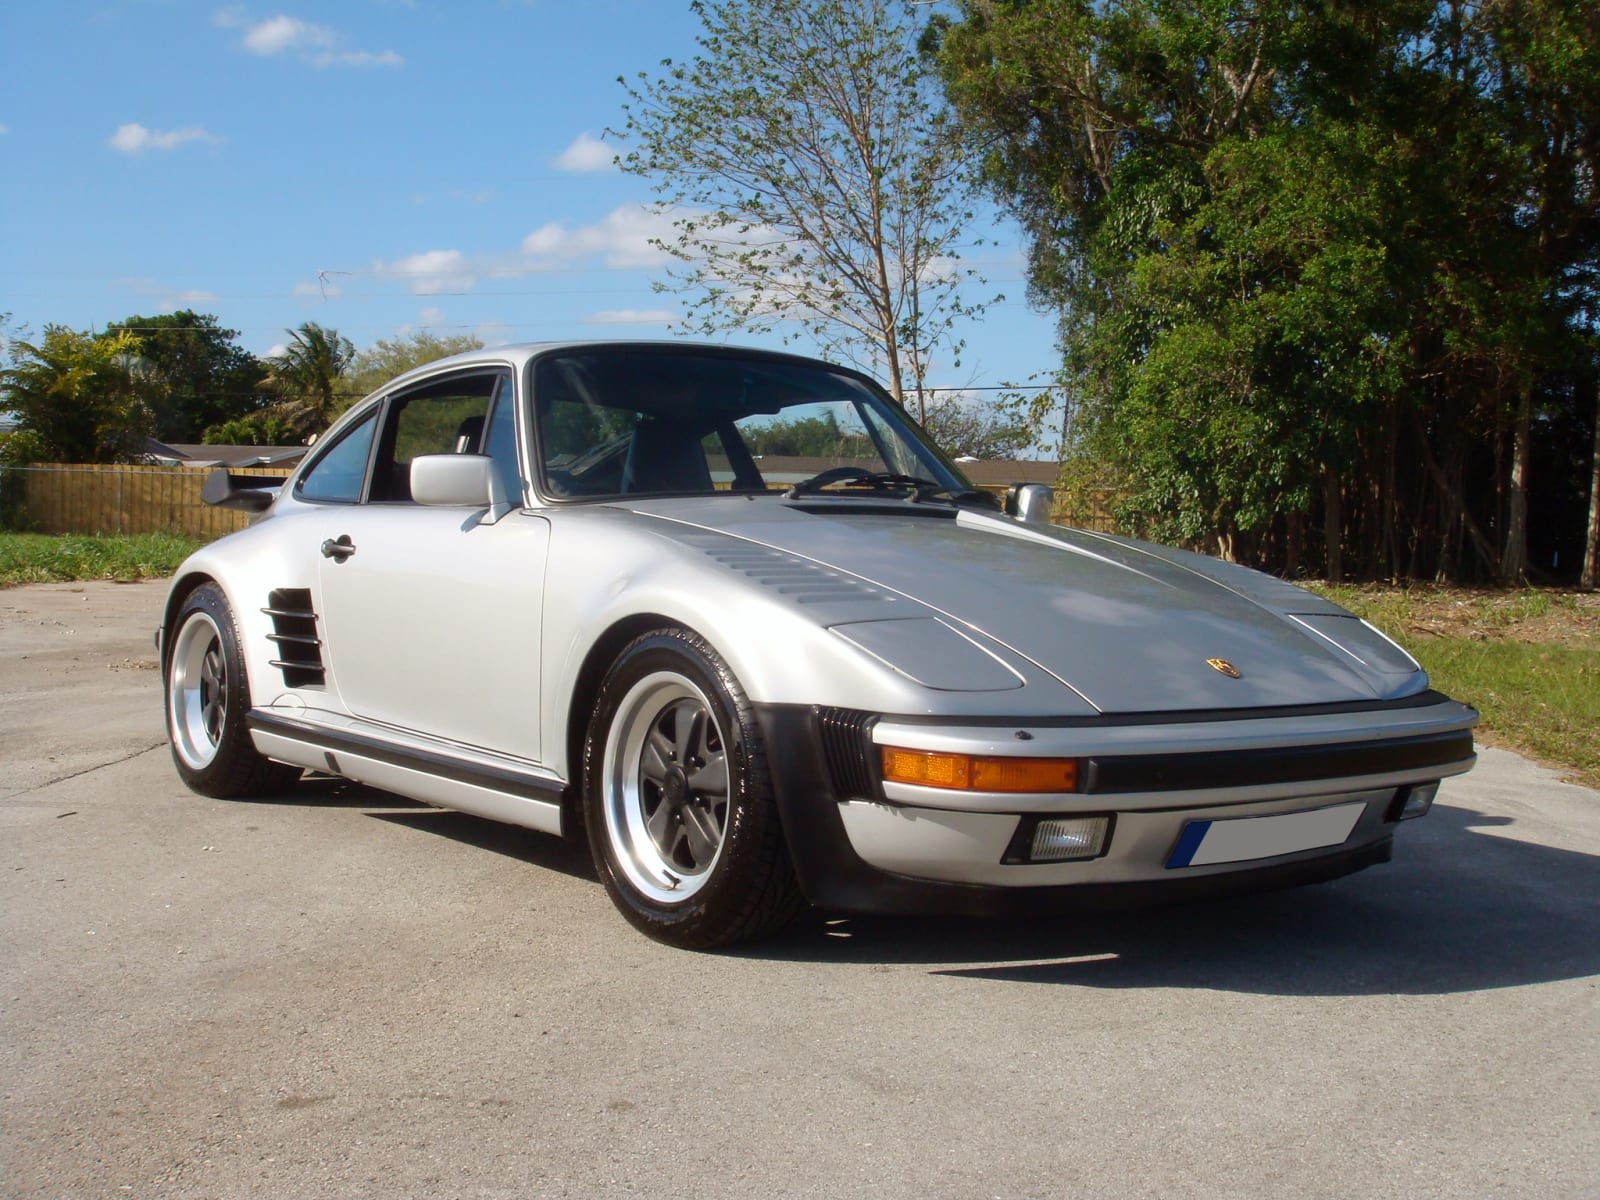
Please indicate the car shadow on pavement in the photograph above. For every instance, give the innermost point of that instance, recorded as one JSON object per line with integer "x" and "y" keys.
{"x": 328, "y": 791}
{"x": 525, "y": 845}
{"x": 513, "y": 841}
{"x": 1462, "y": 908}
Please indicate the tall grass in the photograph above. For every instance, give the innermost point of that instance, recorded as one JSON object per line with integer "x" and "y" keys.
{"x": 41, "y": 558}
{"x": 1537, "y": 695}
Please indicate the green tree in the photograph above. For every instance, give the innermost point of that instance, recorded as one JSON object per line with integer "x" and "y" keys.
{"x": 806, "y": 159}
{"x": 807, "y": 437}
{"x": 77, "y": 398}
{"x": 204, "y": 376}
{"x": 384, "y": 359}
{"x": 969, "y": 429}
{"x": 1315, "y": 264}
{"x": 306, "y": 377}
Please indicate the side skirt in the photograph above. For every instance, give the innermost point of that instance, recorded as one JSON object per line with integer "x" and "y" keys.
{"x": 433, "y": 777}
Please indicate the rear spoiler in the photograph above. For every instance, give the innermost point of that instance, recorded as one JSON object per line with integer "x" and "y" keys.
{"x": 248, "y": 493}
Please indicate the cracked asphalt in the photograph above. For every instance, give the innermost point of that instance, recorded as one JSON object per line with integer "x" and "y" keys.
{"x": 337, "y": 993}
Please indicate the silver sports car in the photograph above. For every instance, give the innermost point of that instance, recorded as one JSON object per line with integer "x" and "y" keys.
{"x": 732, "y": 617}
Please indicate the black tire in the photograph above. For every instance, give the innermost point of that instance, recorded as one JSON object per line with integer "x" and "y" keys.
{"x": 678, "y": 799}
{"x": 207, "y": 697}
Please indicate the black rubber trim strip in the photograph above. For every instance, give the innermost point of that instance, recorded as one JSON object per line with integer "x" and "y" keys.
{"x": 1177, "y": 717}
{"x": 444, "y": 766}
{"x": 871, "y": 506}
{"x": 1295, "y": 764}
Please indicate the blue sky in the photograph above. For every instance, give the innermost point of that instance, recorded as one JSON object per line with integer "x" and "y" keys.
{"x": 378, "y": 166}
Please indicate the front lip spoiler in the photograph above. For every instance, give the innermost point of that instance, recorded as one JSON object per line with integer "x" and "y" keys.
{"x": 811, "y": 776}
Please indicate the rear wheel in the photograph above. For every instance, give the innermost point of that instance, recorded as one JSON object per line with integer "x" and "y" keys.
{"x": 207, "y": 698}
{"x": 678, "y": 801}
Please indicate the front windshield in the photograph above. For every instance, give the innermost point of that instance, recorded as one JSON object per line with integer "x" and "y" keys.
{"x": 640, "y": 421}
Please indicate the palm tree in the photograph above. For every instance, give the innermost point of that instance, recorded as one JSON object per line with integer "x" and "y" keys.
{"x": 305, "y": 375}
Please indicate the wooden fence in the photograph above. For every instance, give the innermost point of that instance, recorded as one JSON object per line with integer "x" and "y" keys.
{"x": 118, "y": 498}
{"x": 1088, "y": 509}
{"x": 129, "y": 499}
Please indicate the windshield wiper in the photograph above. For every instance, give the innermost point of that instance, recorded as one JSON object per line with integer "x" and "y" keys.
{"x": 929, "y": 490}
{"x": 919, "y": 489}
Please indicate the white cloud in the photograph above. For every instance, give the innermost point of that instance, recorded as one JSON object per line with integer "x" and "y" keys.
{"x": 316, "y": 289}
{"x": 164, "y": 297}
{"x": 586, "y": 155}
{"x": 280, "y": 33}
{"x": 632, "y": 316}
{"x": 941, "y": 269}
{"x": 431, "y": 316}
{"x": 4, "y": 129}
{"x": 357, "y": 58}
{"x": 317, "y": 45}
{"x": 134, "y": 138}
{"x": 494, "y": 333}
{"x": 432, "y": 271}
{"x": 620, "y": 239}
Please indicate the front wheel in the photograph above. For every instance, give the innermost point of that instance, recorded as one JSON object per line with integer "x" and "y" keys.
{"x": 678, "y": 799}
{"x": 207, "y": 698}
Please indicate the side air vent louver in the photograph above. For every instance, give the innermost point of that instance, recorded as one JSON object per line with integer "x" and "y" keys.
{"x": 294, "y": 625}
{"x": 847, "y": 747}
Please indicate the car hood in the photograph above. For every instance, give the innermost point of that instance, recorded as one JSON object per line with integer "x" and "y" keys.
{"x": 1129, "y": 626}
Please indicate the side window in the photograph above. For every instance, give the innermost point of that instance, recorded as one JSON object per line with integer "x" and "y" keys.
{"x": 337, "y": 474}
{"x": 501, "y": 440}
{"x": 442, "y": 418}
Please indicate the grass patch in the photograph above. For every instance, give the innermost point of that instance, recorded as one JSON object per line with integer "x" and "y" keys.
{"x": 42, "y": 558}
{"x": 1528, "y": 660}
{"x": 1541, "y": 700}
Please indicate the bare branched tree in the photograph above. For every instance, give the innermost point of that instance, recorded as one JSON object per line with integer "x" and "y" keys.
{"x": 809, "y": 164}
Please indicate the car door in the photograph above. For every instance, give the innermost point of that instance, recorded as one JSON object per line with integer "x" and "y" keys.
{"x": 432, "y": 614}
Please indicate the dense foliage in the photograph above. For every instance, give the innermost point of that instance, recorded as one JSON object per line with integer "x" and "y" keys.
{"x": 1327, "y": 272}
{"x": 204, "y": 376}
{"x": 387, "y": 357}
{"x": 76, "y": 398}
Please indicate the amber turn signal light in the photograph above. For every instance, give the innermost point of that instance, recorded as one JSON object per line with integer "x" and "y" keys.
{"x": 969, "y": 773}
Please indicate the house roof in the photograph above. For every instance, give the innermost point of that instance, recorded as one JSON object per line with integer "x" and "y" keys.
{"x": 991, "y": 472}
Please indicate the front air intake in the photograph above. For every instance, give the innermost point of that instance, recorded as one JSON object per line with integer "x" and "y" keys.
{"x": 847, "y": 748}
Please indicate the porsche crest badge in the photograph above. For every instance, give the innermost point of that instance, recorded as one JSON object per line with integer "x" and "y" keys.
{"x": 1224, "y": 666}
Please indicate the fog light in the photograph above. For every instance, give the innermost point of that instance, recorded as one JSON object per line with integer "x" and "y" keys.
{"x": 1415, "y": 801}
{"x": 1062, "y": 839}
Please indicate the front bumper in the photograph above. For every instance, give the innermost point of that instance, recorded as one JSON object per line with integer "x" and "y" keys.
{"x": 859, "y": 845}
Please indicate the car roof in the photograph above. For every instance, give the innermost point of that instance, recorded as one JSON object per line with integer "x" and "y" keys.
{"x": 518, "y": 354}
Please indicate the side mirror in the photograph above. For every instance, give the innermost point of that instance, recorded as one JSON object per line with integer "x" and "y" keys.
{"x": 1031, "y": 503}
{"x": 452, "y": 480}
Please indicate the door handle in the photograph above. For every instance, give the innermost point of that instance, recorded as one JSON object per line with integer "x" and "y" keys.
{"x": 338, "y": 550}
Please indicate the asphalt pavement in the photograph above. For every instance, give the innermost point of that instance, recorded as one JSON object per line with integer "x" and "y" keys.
{"x": 337, "y": 993}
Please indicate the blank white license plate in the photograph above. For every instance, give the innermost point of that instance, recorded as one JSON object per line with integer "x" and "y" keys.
{"x": 1240, "y": 839}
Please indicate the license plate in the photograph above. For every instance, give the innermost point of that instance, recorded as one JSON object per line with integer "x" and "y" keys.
{"x": 1240, "y": 839}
